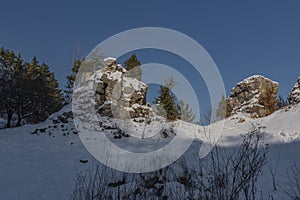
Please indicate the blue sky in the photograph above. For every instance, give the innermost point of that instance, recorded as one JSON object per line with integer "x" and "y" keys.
{"x": 242, "y": 37}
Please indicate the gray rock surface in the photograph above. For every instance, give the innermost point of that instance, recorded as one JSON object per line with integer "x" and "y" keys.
{"x": 118, "y": 95}
{"x": 294, "y": 96}
{"x": 255, "y": 96}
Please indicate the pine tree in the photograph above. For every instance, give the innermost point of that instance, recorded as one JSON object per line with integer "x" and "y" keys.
{"x": 30, "y": 91}
{"x": 20, "y": 90}
{"x": 71, "y": 80}
{"x": 50, "y": 99}
{"x": 167, "y": 99}
{"x": 7, "y": 85}
{"x": 133, "y": 66}
{"x": 40, "y": 94}
{"x": 185, "y": 112}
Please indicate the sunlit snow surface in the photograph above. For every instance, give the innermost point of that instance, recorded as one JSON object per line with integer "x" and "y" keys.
{"x": 44, "y": 165}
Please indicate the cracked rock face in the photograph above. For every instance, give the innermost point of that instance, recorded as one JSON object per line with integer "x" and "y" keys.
{"x": 294, "y": 96}
{"x": 255, "y": 96}
{"x": 118, "y": 95}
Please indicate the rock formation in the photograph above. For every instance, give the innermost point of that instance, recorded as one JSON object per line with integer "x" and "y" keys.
{"x": 117, "y": 95}
{"x": 294, "y": 96}
{"x": 255, "y": 96}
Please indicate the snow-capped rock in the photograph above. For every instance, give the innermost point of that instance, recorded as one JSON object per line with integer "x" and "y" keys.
{"x": 294, "y": 96}
{"x": 116, "y": 93}
{"x": 108, "y": 61}
{"x": 255, "y": 96}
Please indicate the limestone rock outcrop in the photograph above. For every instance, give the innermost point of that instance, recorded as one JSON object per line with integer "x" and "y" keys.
{"x": 118, "y": 95}
{"x": 255, "y": 96}
{"x": 294, "y": 96}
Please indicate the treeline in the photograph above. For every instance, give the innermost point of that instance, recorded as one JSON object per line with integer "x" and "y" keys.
{"x": 168, "y": 105}
{"x": 28, "y": 90}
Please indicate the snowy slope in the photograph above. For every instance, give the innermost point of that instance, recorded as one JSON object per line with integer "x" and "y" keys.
{"x": 39, "y": 166}
{"x": 281, "y": 126}
{"x": 41, "y": 161}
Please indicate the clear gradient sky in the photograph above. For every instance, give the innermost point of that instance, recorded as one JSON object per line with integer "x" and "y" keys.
{"x": 242, "y": 37}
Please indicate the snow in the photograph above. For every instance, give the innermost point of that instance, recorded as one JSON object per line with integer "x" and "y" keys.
{"x": 2, "y": 122}
{"x": 39, "y": 166}
{"x": 109, "y": 60}
{"x": 127, "y": 82}
{"x": 281, "y": 121}
{"x": 133, "y": 83}
{"x": 252, "y": 78}
{"x": 44, "y": 165}
{"x": 115, "y": 76}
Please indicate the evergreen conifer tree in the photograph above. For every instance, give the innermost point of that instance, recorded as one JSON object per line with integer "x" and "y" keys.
{"x": 185, "y": 112}
{"x": 133, "y": 66}
{"x": 30, "y": 91}
{"x": 7, "y": 85}
{"x": 70, "y": 81}
{"x": 167, "y": 99}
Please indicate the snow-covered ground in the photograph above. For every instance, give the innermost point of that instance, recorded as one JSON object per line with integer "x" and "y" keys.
{"x": 42, "y": 161}
{"x": 39, "y": 166}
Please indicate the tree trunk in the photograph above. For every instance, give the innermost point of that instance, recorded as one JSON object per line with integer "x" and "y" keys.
{"x": 9, "y": 118}
{"x": 19, "y": 120}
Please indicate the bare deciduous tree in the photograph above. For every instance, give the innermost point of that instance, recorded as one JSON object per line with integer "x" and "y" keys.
{"x": 292, "y": 188}
{"x": 224, "y": 175}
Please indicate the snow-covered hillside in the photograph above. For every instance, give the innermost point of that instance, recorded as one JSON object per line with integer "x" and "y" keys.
{"x": 281, "y": 126}
{"x": 42, "y": 161}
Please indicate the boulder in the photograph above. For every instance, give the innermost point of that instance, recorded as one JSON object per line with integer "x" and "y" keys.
{"x": 255, "y": 96}
{"x": 294, "y": 96}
